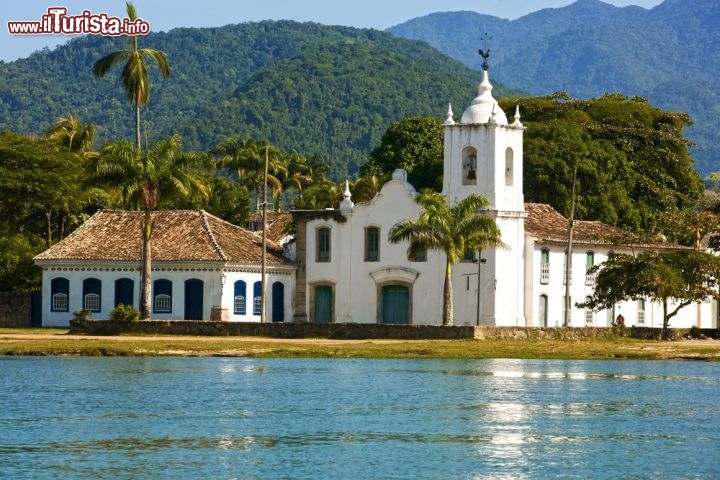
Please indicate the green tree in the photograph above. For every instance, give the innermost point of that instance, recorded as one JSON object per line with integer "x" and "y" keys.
{"x": 227, "y": 200}
{"x": 40, "y": 182}
{"x": 633, "y": 160}
{"x": 452, "y": 230}
{"x": 682, "y": 277}
{"x": 134, "y": 77}
{"x": 72, "y": 134}
{"x": 414, "y": 144}
{"x": 145, "y": 180}
{"x": 245, "y": 158}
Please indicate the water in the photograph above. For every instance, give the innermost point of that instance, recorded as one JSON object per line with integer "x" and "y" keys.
{"x": 236, "y": 418}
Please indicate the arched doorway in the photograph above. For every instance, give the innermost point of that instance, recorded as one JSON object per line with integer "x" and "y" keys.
{"x": 124, "y": 292}
{"x": 395, "y": 304}
{"x": 278, "y": 302}
{"x": 194, "y": 299}
{"x": 323, "y": 304}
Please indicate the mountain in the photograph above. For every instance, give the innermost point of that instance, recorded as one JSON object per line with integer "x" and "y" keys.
{"x": 326, "y": 91}
{"x": 669, "y": 55}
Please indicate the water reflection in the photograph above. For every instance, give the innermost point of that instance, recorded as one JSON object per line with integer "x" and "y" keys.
{"x": 267, "y": 419}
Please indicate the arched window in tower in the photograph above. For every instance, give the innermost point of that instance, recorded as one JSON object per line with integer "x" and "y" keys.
{"x": 509, "y": 174}
{"x": 469, "y": 166}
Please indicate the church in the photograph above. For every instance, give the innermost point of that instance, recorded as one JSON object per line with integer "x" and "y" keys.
{"x": 348, "y": 271}
{"x": 340, "y": 266}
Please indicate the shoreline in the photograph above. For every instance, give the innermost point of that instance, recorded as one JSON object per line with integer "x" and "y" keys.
{"x": 60, "y": 343}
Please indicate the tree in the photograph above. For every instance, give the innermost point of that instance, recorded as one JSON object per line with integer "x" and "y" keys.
{"x": 245, "y": 158}
{"x": 414, "y": 144}
{"x": 145, "y": 180}
{"x": 228, "y": 200}
{"x": 683, "y": 277}
{"x": 453, "y": 230}
{"x": 134, "y": 77}
{"x": 72, "y": 134}
{"x": 633, "y": 160}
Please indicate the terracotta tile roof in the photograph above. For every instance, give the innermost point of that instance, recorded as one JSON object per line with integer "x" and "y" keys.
{"x": 548, "y": 225}
{"x": 178, "y": 235}
{"x": 278, "y": 224}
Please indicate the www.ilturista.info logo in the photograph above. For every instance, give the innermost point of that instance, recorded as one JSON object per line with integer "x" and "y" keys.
{"x": 57, "y": 21}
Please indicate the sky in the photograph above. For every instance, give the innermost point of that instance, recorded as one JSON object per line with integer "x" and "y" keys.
{"x": 164, "y": 15}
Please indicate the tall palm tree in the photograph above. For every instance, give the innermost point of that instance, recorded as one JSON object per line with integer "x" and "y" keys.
{"x": 76, "y": 136}
{"x": 134, "y": 76}
{"x": 454, "y": 230}
{"x": 145, "y": 179}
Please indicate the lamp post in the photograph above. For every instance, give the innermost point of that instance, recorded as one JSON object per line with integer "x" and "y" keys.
{"x": 480, "y": 261}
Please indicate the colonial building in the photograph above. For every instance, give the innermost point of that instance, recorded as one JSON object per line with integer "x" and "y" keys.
{"x": 340, "y": 267}
{"x": 347, "y": 271}
{"x": 202, "y": 268}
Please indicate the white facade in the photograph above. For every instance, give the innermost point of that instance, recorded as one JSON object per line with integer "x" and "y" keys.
{"x": 522, "y": 285}
{"x": 203, "y": 268}
{"x": 217, "y": 285}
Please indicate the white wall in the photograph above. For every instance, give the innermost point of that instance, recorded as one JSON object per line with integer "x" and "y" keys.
{"x": 214, "y": 294}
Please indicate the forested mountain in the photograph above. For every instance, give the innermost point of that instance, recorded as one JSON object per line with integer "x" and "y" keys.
{"x": 325, "y": 91}
{"x": 669, "y": 55}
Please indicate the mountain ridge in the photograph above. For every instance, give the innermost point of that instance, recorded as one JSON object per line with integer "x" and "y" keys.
{"x": 590, "y": 47}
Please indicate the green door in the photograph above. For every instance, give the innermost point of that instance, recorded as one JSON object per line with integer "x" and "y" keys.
{"x": 396, "y": 304}
{"x": 323, "y": 304}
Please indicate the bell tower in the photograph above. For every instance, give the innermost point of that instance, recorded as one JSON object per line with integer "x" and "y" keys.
{"x": 483, "y": 154}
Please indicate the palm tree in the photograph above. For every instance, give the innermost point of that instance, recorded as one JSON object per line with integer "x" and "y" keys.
{"x": 76, "y": 136}
{"x": 134, "y": 76}
{"x": 453, "y": 230}
{"x": 145, "y": 179}
{"x": 246, "y": 159}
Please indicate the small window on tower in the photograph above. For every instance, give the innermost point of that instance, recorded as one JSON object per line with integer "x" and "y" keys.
{"x": 469, "y": 166}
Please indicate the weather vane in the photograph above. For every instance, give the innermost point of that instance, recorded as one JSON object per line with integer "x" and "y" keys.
{"x": 485, "y": 53}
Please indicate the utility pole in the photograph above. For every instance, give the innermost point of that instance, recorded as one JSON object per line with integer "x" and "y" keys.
{"x": 568, "y": 261}
{"x": 263, "y": 282}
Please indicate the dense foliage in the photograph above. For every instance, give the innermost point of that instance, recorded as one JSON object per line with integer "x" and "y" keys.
{"x": 633, "y": 161}
{"x": 669, "y": 54}
{"x": 324, "y": 91}
{"x": 40, "y": 203}
{"x": 674, "y": 280}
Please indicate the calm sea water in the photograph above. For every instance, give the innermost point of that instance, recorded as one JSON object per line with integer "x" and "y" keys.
{"x": 236, "y": 418}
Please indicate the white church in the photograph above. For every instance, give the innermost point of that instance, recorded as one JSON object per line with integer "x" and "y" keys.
{"x": 348, "y": 271}
{"x": 341, "y": 267}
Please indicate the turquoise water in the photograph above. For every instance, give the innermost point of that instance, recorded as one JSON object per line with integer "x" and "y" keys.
{"x": 236, "y": 418}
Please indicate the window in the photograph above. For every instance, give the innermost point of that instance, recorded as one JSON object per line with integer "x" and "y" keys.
{"x": 589, "y": 317}
{"x": 469, "y": 256}
{"x": 589, "y": 263}
{"x": 323, "y": 244}
{"x": 509, "y": 174}
{"x": 59, "y": 294}
{"x": 469, "y": 166}
{"x": 543, "y": 310}
{"x": 92, "y": 290}
{"x": 162, "y": 296}
{"x": 239, "y": 298}
{"x": 257, "y": 298}
{"x": 372, "y": 244}
{"x": 420, "y": 256}
{"x": 545, "y": 266}
{"x": 641, "y": 312}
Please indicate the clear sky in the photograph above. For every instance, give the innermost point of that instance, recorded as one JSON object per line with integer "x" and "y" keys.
{"x": 163, "y": 15}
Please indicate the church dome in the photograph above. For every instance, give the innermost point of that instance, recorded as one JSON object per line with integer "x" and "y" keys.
{"x": 484, "y": 107}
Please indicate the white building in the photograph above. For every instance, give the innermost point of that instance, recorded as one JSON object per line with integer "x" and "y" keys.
{"x": 347, "y": 271}
{"x": 202, "y": 268}
{"x": 343, "y": 268}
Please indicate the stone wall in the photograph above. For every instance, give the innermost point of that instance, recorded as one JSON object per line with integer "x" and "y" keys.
{"x": 15, "y": 309}
{"x": 356, "y": 331}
